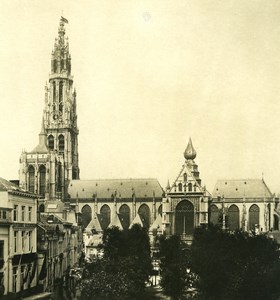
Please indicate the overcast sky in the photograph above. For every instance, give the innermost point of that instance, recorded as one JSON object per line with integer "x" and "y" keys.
{"x": 150, "y": 74}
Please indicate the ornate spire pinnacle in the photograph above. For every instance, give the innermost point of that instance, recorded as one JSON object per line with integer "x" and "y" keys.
{"x": 61, "y": 60}
{"x": 168, "y": 186}
{"x": 190, "y": 153}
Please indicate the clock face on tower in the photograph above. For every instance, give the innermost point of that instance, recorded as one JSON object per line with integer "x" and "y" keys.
{"x": 56, "y": 115}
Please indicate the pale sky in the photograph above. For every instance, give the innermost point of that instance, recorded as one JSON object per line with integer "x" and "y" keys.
{"x": 148, "y": 75}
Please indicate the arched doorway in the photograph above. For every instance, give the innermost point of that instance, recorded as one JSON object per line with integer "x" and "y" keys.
{"x": 184, "y": 218}
{"x": 233, "y": 218}
{"x": 214, "y": 214}
{"x": 144, "y": 213}
{"x": 125, "y": 216}
{"x": 86, "y": 215}
{"x": 254, "y": 216}
{"x": 105, "y": 219}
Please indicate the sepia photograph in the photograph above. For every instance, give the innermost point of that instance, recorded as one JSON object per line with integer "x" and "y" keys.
{"x": 140, "y": 150}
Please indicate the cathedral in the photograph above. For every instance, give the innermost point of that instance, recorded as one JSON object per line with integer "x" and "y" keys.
{"x": 51, "y": 170}
{"x": 49, "y": 167}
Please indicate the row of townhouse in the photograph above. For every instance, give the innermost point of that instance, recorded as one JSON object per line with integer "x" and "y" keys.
{"x": 37, "y": 249}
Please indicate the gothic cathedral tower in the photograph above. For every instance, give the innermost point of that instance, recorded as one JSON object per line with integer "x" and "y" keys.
{"x": 48, "y": 168}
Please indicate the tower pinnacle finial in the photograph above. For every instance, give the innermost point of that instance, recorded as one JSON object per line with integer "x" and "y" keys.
{"x": 190, "y": 153}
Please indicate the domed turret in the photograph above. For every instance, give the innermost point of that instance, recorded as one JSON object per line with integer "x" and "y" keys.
{"x": 190, "y": 153}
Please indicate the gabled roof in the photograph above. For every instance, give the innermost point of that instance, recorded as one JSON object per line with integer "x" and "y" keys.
{"x": 6, "y": 185}
{"x": 241, "y": 188}
{"x": 157, "y": 224}
{"x": 137, "y": 220}
{"x": 187, "y": 169}
{"x": 94, "y": 224}
{"x": 121, "y": 188}
{"x": 116, "y": 221}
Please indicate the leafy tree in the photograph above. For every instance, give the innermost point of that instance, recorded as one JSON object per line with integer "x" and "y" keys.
{"x": 124, "y": 268}
{"x": 234, "y": 266}
{"x": 175, "y": 261}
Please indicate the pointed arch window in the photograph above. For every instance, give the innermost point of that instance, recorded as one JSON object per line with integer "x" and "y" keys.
{"x": 86, "y": 215}
{"x": 144, "y": 213}
{"x": 185, "y": 177}
{"x": 233, "y": 218}
{"x": 160, "y": 210}
{"x": 214, "y": 214}
{"x": 190, "y": 187}
{"x": 125, "y": 216}
{"x": 254, "y": 216}
{"x": 184, "y": 218}
{"x": 51, "y": 142}
{"x": 61, "y": 143}
{"x": 54, "y": 91}
{"x": 105, "y": 213}
{"x": 31, "y": 179}
{"x": 60, "y": 96}
{"x": 180, "y": 187}
{"x": 42, "y": 180}
{"x": 59, "y": 177}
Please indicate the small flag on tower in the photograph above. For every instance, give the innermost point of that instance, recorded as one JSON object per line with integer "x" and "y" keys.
{"x": 64, "y": 20}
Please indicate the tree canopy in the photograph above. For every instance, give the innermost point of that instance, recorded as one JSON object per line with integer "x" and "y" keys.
{"x": 234, "y": 266}
{"x": 175, "y": 261}
{"x": 124, "y": 267}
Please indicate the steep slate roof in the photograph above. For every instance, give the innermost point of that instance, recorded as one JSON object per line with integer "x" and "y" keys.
{"x": 6, "y": 185}
{"x": 116, "y": 221}
{"x": 157, "y": 224}
{"x": 241, "y": 188}
{"x": 94, "y": 224}
{"x": 123, "y": 188}
{"x": 137, "y": 220}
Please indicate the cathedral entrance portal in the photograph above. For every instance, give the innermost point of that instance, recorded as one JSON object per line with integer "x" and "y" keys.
{"x": 184, "y": 218}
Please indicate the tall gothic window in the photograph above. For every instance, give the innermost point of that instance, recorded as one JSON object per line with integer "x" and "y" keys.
{"x": 54, "y": 66}
{"x": 105, "y": 213}
{"x": 60, "y": 96}
{"x": 233, "y": 218}
{"x": 59, "y": 177}
{"x": 144, "y": 213}
{"x": 31, "y": 179}
{"x": 190, "y": 187}
{"x": 42, "y": 180}
{"x": 51, "y": 142}
{"x": 254, "y": 216}
{"x": 214, "y": 214}
{"x": 86, "y": 215}
{"x": 54, "y": 92}
{"x": 125, "y": 216}
{"x": 61, "y": 143}
{"x": 160, "y": 210}
{"x": 184, "y": 217}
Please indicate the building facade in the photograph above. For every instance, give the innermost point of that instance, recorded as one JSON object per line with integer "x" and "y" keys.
{"x": 18, "y": 241}
{"x": 114, "y": 202}
{"x": 246, "y": 204}
{"x": 185, "y": 205}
